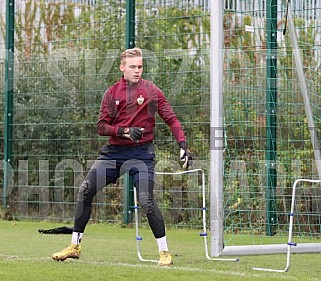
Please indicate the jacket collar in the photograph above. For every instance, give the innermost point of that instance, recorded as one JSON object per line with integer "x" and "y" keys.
{"x": 128, "y": 84}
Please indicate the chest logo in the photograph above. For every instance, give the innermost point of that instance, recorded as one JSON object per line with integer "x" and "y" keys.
{"x": 117, "y": 102}
{"x": 140, "y": 100}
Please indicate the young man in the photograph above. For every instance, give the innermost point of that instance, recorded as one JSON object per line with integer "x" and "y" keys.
{"x": 127, "y": 117}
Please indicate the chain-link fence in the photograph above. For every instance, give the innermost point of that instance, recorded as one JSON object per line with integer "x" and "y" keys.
{"x": 66, "y": 56}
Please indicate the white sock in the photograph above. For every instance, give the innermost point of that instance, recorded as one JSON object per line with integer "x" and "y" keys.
{"x": 76, "y": 237}
{"x": 162, "y": 244}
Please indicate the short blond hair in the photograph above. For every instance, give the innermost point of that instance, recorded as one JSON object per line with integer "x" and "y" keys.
{"x": 130, "y": 53}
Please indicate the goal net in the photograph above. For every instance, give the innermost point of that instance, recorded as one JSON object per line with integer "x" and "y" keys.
{"x": 272, "y": 120}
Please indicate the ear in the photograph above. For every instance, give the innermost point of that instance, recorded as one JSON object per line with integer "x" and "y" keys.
{"x": 121, "y": 67}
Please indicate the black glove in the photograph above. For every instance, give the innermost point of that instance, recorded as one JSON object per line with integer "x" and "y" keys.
{"x": 185, "y": 155}
{"x": 133, "y": 133}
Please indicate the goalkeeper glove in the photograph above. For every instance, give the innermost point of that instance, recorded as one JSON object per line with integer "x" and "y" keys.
{"x": 133, "y": 133}
{"x": 185, "y": 155}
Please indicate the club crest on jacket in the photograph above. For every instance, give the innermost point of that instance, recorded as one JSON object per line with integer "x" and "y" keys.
{"x": 140, "y": 100}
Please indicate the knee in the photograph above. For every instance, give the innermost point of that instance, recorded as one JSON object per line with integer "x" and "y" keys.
{"x": 145, "y": 195}
{"x": 146, "y": 202}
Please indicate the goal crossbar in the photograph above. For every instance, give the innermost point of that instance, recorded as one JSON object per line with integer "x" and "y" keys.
{"x": 270, "y": 249}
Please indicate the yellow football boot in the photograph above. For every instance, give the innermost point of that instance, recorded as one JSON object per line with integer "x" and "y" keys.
{"x": 165, "y": 259}
{"x": 72, "y": 252}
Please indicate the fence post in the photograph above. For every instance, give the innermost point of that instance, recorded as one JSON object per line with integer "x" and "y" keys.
{"x": 130, "y": 43}
{"x": 8, "y": 119}
{"x": 271, "y": 115}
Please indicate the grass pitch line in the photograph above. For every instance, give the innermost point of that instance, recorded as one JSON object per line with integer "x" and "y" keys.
{"x": 185, "y": 269}
{"x": 13, "y": 258}
{"x": 18, "y": 258}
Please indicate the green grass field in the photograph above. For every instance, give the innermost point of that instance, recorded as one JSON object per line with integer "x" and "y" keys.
{"x": 109, "y": 253}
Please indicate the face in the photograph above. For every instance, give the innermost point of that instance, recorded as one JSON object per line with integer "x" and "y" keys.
{"x": 132, "y": 68}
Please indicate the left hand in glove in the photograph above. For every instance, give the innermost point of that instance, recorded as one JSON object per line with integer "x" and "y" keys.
{"x": 133, "y": 133}
{"x": 185, "y": 155}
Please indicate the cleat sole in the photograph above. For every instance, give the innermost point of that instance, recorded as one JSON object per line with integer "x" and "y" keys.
{"x": 75, "y": 256}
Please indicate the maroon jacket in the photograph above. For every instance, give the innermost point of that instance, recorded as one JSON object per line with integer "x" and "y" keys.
{"x": 135, "y": 106}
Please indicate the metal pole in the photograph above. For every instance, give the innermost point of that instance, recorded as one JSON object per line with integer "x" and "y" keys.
{"x": 8, "y": 120}
{"x": 130, "y": 43}
{"x": 304, "y": 91}
{"x": 271, "y": 116}
{"x": 130, "y": 24}
{"x": 216, "y": 123}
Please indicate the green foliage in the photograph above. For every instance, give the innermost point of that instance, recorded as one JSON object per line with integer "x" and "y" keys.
{"x": 67, "y": 56}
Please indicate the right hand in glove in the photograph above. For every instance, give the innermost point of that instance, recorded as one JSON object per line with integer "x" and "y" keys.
{"x": 185, "y": 155}
{"x": 133, "y": 133}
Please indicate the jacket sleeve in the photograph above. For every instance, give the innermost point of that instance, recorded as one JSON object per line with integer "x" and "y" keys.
{"x": 107, "y": 116}
{"x": 166, "y": 112}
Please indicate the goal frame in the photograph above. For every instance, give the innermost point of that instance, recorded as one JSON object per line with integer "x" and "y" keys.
{"x": 216, "y": 144}
{"x": 305, "y": 246}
